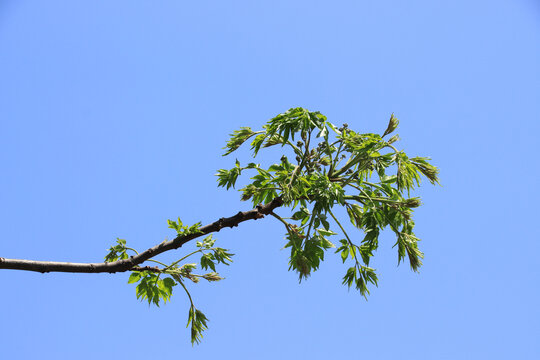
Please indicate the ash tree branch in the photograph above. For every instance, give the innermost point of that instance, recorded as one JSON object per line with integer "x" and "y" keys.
{"x": 132, "y": 263}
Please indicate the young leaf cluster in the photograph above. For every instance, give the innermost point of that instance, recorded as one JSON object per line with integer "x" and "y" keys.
{"x": 362, "y": 173}
{"x": 198, "y": 322}
{"x": 151, "y": 288}
{"x": 118, "y": 251}
{"x": 155, "y": 284}
{"x": 184, "y": 230}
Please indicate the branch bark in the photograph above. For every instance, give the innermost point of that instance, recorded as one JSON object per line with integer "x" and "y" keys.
{"x": 129, "y": 264}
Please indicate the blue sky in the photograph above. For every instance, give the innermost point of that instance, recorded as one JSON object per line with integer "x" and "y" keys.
{"x": 112, "y": 119}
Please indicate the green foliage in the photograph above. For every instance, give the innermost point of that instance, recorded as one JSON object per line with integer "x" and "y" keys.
{"x": 198, "y": 322}
{"x": 392, "y": 125}
{"x": 117, "y": 252}
{"x": 238, "y": 137}
{"x": 358, "y": 276}
{"x": 334, "y": 167}
{"x": 184, "y": 230}
{"x": 151, "y": 287}
{"x": 155, "y": 284}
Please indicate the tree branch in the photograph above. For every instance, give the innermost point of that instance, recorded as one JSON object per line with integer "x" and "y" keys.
{"x": 131, "y": 264}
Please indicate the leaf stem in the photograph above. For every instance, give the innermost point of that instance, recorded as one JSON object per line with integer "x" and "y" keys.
{"x": 187, "y": 292}
{"x": 311, "y": 222}
{"x": 287, "y": 225}
{"x": 372, "y": 199}
{"x": 185, "y": 257}
{"x": 135, "y": 251}
{"x": 348, "y": 238}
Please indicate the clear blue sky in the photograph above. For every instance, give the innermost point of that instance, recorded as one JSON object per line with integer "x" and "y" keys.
{"x": 112, "y": 119}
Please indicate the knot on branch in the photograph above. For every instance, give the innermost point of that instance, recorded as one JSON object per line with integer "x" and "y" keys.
{"x": 260, "y": 211}
{"x": 220, "y": 223}
{"x": 234, "y": 220}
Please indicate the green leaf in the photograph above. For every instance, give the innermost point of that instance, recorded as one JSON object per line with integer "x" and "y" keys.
{"x": 389, "y": 179}
{"x": 238, "y": 137}
{"x": 199, "y": 323}
{"x": 392, "y": 125}
{"x": 323, "y": 132}
{"x": 207, "y": 262}
{"x": 117, "y": 252}
{"x": 345, "y": 254}
{"x": 355, "y": 215}
{"x": 301, "y": 214}
{"x": 174, "y": 225}
{"x": 350, "y": 277}
{"x": 257, "y": 143}
{"x": 134, "y": 277}
{"x": 227, "y": 178}
{"x": 169, "y": 283}
{"x": 428, "y": 170}
{"x": 334, "y": 128}
{"x": 371, "y": 236}
{"x": 209, "y": 241}
{"x": 325, "y": 232}
{"x": 365, "y": 253}
{"x": 393, "y": 139}
{"x": 213, "y": 276}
